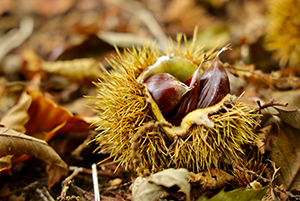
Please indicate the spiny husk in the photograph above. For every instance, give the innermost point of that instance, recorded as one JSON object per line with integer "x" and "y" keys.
{"x": 283, "y": 32}
{"x": 204, "y": 145}
{"x": 124, "y": 107}
{"x": 243, "y": 178}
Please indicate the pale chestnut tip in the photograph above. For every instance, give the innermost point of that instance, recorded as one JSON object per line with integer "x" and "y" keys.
{"x": 225, "y": 48}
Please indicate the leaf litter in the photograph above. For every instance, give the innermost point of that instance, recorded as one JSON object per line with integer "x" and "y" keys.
{"x": 61, "y": 50}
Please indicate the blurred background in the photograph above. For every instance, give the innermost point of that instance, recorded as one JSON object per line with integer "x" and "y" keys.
{"x": 69, "y": 29}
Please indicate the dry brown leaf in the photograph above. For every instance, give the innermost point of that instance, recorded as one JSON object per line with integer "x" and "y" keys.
{"x": 31, "y": 63}
{"x": 147, "y": 189}
{"x": 41, "y": 118}
{"x": 55, "y": 173}
{"x": 212, "y": 179}
{"x": 292, "y": 97}
{"x": 82, "y": 70}
{"x": 16, "y": 143}
{"x": 262, "y": 135}
{"x": 142, "y": 190}
{"x": 17, "y": 116}
{"x": 286, "y": 154}
{"x": 172, "y": 177}
{"x": 252, "y": 76}
{"x": 291, "y": 117}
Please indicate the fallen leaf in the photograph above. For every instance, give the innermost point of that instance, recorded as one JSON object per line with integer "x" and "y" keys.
{"x": 147, "y": 189}
{"x": 142, "y": 190}
{"x": 41, "y": 118}
{"x": 172, "y": 177}
{"x": 16, "y": 143}
{"x": 262, "y": 135}
{"x": 212, "y": 179}
{"x": 292, "y": 97}
{"x": 238, "y": 194}
{"x": 55, "y": 173}
{"x": 291, "y": 117}
{"x": 78, "y": 70}
{"x": 286, "y": 154}
{"x": 83, "y": 71}
{"x": 17, "y": 116}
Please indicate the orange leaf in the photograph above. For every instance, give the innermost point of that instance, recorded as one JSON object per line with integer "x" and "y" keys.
{"x": 46, "y": 116}
{"x": 41, "y": 118}
{"x": 17, "y": 116}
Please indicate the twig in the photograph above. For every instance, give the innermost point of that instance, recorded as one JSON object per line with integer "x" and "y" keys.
{"x": 44, "y": 194}
{"x": 76, "y": 153}
{"x": 272, "y": 102}
{"x": 41, "y": 194}
{"x": 83, "y": 170}
{"x": 14, "y": 38}
{"x": 275, "y": 175}
{"x": 296, "y": 197}
{"x": 76, "y": 171}
{"x": 146, "y": 16}
{"x": 87, "y": 195}
{"x": 29, "y": 187}
{"x": 68, "y": 181}
{"x": 64, "y": 190}
{"x": 95, "y": 182}
{"x": 149, "y": 20}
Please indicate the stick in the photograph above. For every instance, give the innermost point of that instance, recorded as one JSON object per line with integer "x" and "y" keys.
{"x": 14, "y": 38}
{"x": 95, "y": 182}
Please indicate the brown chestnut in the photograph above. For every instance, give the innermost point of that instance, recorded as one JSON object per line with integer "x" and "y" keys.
{"x": 214, "y": 83}
{"x": 167, "y": 91}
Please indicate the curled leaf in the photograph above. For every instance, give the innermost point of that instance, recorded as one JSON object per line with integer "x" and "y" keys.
{"x": 143, "y": 190}
{"x": 16, "y": 143}
{"x": 147, "y": 189}
{"x": 78, "y": 70}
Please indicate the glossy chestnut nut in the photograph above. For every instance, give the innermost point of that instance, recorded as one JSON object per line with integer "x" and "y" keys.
{"x": 167, "y": 91}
